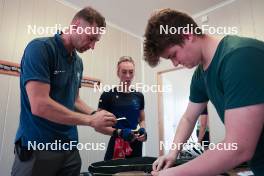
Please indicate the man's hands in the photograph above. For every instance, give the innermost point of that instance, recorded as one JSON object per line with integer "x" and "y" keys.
{"x": 163, "y": 162}
{"x": 102, "y": 119}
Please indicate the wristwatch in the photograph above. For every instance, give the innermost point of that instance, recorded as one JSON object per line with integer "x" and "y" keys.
{"x": 92, "y": 113}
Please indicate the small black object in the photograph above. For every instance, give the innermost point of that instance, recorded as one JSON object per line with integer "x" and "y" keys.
{"x": 110, "y": 167}
{"x": 23, "y": 153}
{"x": 92, "y": 113}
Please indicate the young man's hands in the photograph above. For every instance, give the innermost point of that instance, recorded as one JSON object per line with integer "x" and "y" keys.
{"x": 164, "y": 162}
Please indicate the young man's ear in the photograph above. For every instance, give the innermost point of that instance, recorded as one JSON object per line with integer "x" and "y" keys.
{"x": 75, "y": 23}
{"x": 189, "y": 37}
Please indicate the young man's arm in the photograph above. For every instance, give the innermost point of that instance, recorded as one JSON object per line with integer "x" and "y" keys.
{"x": 243, "y": 129}
{"x": 183, "y": 132}
{"x": 45, "y": 107}
{"x": 203, "y": 124}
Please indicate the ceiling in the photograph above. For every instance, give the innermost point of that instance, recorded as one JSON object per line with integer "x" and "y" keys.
{"x": 132, "y": 15}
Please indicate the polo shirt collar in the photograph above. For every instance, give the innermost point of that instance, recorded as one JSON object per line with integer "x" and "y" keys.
{"x": 61, "y": 46}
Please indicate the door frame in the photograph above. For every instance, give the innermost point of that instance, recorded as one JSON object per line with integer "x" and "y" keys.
{"x": 160, "y": 105}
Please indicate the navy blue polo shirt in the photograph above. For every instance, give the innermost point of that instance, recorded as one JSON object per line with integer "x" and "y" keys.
{"x": 123, "y": 104}
{"x": 47, "y": 60}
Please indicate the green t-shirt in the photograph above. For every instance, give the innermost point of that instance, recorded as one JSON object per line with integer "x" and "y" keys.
{"x": 235, "y": 78}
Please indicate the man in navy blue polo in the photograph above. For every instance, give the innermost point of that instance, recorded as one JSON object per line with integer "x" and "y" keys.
{"x": 51, "y": 73}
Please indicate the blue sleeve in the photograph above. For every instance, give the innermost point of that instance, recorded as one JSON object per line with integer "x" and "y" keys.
{"x": 104, "y": 102}
{"x": 35, "y": 63}
{"x": 142, "y": 105}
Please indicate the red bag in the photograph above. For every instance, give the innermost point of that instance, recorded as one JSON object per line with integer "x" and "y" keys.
{"x": 122, "y": 149}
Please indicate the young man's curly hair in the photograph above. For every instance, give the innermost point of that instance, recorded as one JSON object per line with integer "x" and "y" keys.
{"x": 156, "y": 41}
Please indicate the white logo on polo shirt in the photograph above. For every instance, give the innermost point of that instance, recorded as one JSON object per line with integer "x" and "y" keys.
{"x": 78, "y": 76}
{"x": 58, "y": 71}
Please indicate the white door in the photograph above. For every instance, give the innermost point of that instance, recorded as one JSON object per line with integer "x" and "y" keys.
{"x": 174, "y": 103}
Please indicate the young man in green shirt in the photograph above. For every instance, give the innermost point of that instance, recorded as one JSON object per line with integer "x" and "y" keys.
{"x": 230, "y": 74}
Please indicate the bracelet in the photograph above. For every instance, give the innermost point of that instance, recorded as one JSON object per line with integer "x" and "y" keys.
{"x": 92, "y": 113}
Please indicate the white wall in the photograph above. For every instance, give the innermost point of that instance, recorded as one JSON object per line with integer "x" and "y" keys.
{"x": 151, "y": 101}
{"x": 175, "y": 102}
{"x": 15, "y": 15}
